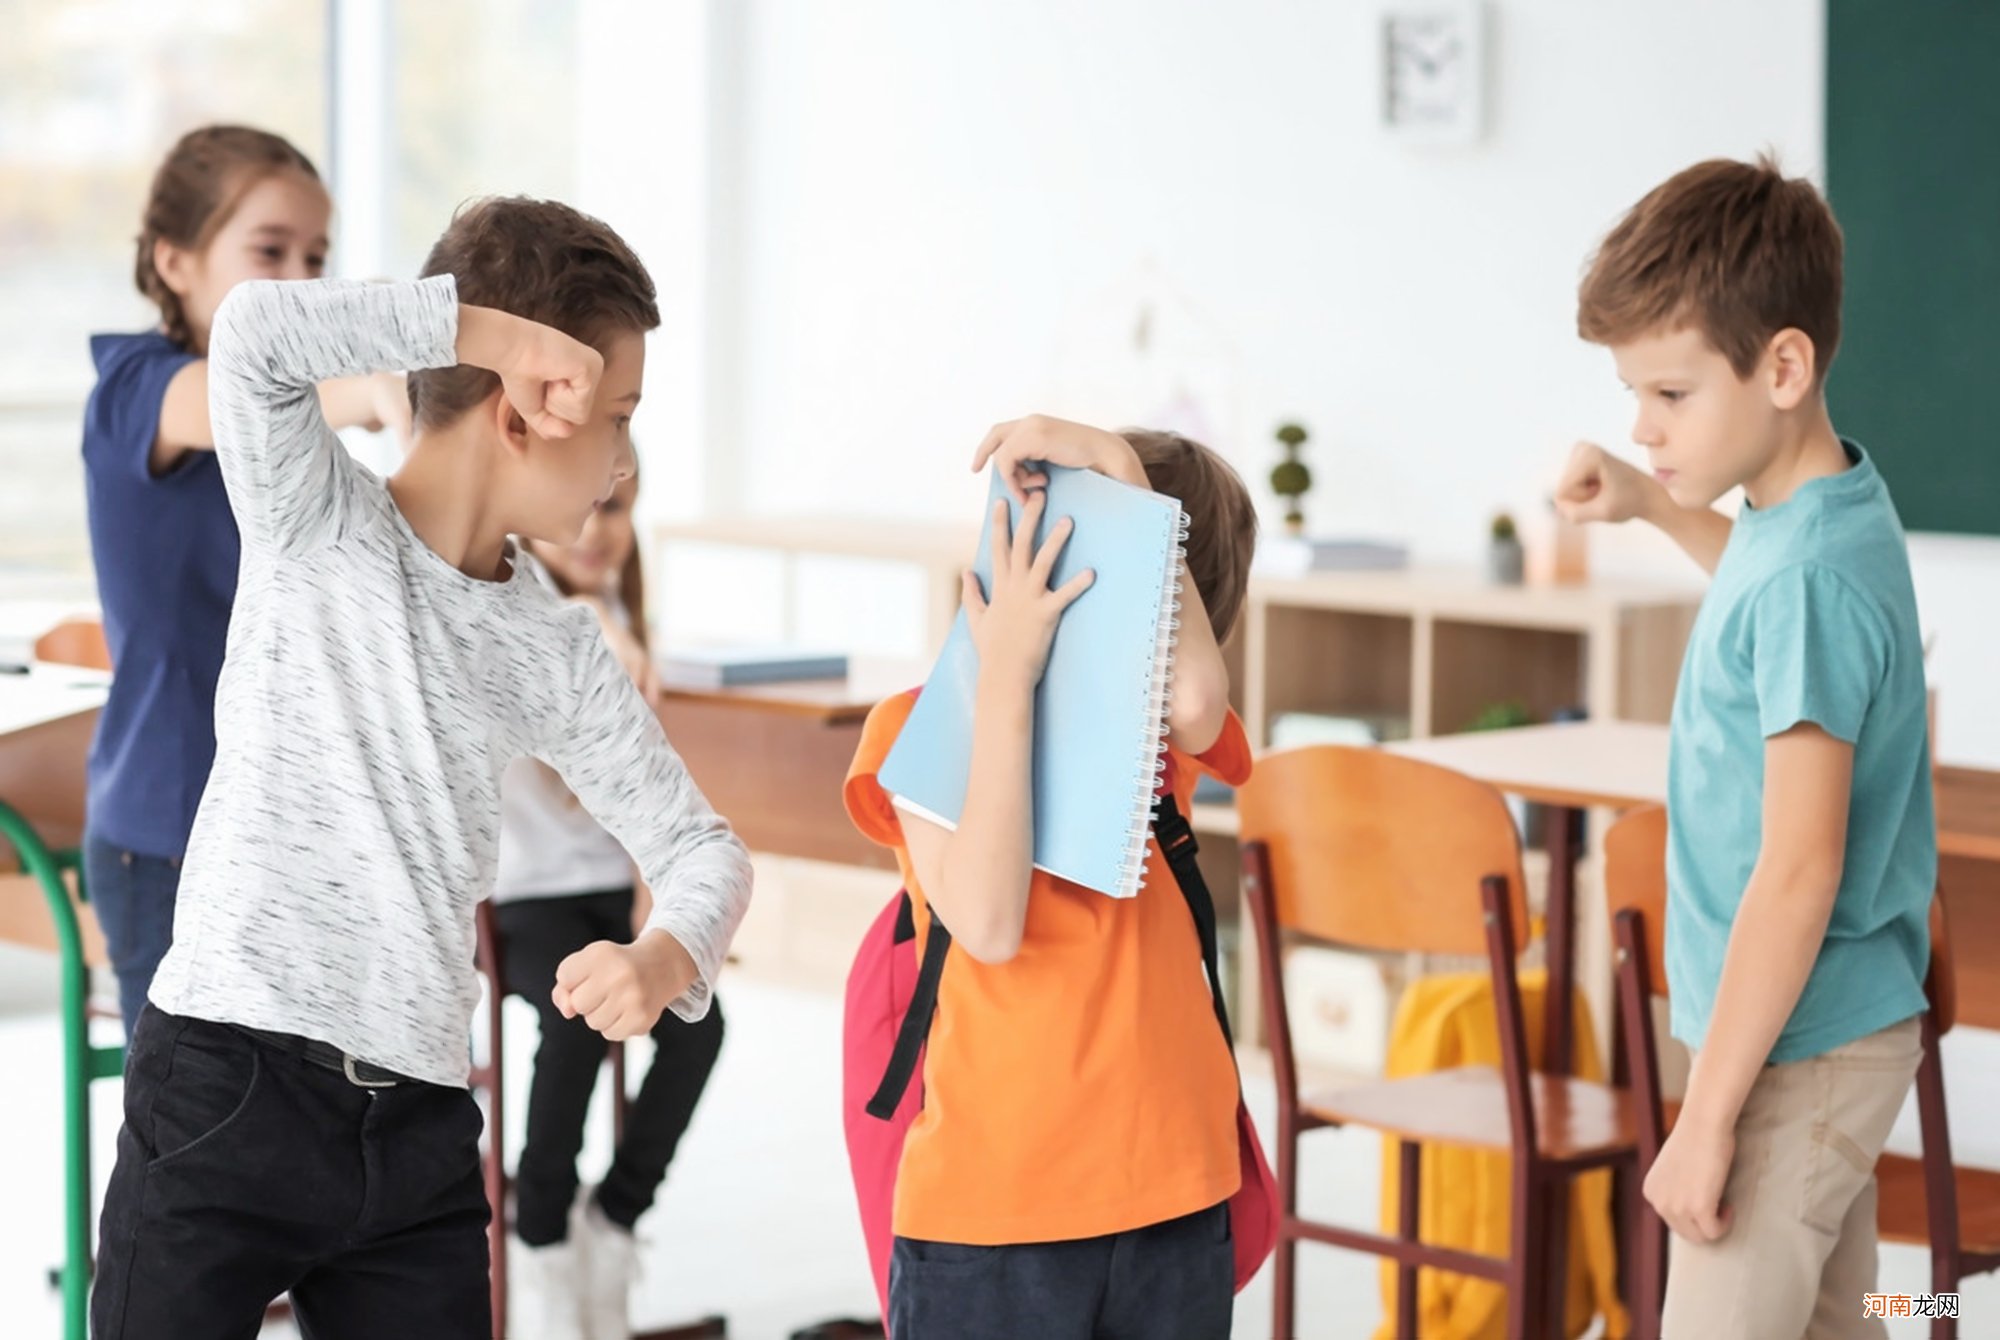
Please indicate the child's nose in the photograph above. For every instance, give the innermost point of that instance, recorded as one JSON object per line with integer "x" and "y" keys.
{"x": 1645, "y": 432}
{"x": 626, "y": 465}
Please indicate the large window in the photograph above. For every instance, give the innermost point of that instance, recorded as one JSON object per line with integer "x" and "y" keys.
{"x": 471, "y": 97}
{"x": 92, "y": 92}
{"x": 485, "y": 104}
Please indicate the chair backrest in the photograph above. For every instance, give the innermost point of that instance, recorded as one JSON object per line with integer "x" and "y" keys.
{"x": 1635, "y": 878}
{"x": 78, "y": 642}
{"x": 1371, "y": 849}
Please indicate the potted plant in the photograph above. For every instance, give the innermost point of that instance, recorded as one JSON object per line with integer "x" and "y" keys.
{"x": 1505, "y": 561}
{"x": 1503, "y": 716}
{"x": 1291, "y": 478}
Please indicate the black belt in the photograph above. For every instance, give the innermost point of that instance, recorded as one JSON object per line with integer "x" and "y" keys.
{"x": 362, "y": 1074}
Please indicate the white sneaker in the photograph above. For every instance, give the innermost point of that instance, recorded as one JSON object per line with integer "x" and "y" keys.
{"x": 545, "y": 1292}
{"x": 609, "y": 1256}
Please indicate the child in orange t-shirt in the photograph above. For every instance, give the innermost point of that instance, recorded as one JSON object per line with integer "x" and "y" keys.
{"x": 1070, "y": 1172}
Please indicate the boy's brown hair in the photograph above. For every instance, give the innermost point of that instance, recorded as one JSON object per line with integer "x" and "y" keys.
{"x": 536, "y": 259}
{"x": 196, "y": 188}
{"x": 1736, "y": 250}
{"x": 1222, "y": 520}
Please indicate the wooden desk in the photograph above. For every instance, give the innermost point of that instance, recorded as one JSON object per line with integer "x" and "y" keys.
{"x": 1968, "y": 801}
{"x": 46, "y": 720}
{"x": 1968, "y": 804}
{"x": 1581, "y": 765}
{"x": 772, "y": 758}
{"x": 1616, "y": 765}
{"x": 1619, "y": 764}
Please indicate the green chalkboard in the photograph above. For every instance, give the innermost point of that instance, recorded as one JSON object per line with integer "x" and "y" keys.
{"x": 1913, "y": 171}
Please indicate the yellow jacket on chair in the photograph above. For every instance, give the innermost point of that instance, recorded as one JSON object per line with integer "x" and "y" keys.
{"x": 1466, "y": 1195}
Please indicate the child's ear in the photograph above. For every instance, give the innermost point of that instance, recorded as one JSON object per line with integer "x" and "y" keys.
{"x": 1794, "y": 364}
{"x": 508, "y": 425}
{"x": 175, "y": 266}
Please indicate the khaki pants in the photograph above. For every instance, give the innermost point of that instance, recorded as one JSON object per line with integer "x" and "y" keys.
{"x": 1800, "y": 1253}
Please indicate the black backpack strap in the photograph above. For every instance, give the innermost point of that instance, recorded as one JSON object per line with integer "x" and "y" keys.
{"x": 916, "y": 1025}
{"x": 1177, "y": 844}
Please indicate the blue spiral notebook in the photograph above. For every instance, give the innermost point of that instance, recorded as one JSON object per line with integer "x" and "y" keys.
{"x": 1100, "y": 712}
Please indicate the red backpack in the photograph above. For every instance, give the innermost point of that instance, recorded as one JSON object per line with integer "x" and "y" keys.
{"x": 891, "y": 997}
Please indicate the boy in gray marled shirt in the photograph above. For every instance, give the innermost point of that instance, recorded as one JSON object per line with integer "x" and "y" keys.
{"x": 296, "y": 1115}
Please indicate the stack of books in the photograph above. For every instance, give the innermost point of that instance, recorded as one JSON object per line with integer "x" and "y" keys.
{"x": 733, "y": 667}
{"x": 1294, "y": 556}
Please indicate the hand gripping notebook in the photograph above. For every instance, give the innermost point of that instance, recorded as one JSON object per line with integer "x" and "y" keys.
{"x": 1101, "y": 708}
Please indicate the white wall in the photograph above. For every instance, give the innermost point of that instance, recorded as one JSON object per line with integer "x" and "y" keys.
{"x": 935, "y": 193}
{"x": 1958, "y": 590}
{"x": 929, "y": 217}
{"x": 646, "y": 98}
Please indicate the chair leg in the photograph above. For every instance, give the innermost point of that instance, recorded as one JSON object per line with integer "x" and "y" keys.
{"x": 1408, "y": 1210}
{"x": 1285, "y": 1253}
{"x": 1555, "y": 1193}
{"x": 495, "y": 1174}
{"x": 495, "y": 1168}
{"x": 1649, "y": 1266}
{"x": 1944, "y": 1279}
{"x": 1625, "y": 1245}
{"x": 1284, "y": 1283}
{"x": 496, "y": 1232}
{"x": 1947, "y": 1274}
{"x": 1524, "y": 1289}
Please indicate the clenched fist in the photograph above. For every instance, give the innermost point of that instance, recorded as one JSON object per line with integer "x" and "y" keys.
{"x": 621, "y": 990}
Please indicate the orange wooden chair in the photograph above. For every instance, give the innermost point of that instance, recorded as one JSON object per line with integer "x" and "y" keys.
{"x": 1921, "y": 1202}
{"x": 77, "y": 642}
{"x": 1369, "y": 849}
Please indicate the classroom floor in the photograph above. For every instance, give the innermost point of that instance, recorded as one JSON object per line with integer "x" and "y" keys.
{"x": 757, "y": 1218}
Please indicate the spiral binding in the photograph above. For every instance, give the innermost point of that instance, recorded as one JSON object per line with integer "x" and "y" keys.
{"x": 1152, "y": 762}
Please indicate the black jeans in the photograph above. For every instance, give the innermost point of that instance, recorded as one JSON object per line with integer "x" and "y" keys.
{"x": 536, "y": 934}
{"x": 1168, "y": 1281}
{"x": 245, "y": 1170}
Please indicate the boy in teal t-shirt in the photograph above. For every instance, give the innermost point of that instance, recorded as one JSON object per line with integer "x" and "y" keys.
{"x": 1810, "y": 621}
{"x": 1803, "y": 847}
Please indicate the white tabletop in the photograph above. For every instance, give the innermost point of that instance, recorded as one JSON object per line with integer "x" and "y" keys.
{"x": 1617, "y": 764}
{"x": 48, "y": 693}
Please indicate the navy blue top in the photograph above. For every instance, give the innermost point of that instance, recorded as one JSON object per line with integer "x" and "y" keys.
{"x": 166, "y": 551}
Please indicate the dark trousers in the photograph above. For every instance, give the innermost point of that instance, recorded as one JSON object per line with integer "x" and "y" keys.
{"x": 245, "y": 1171}
{"x": 1168, "y": 1281}
{"x": 536, "y": 934}
{"x": 133, "y": 896}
